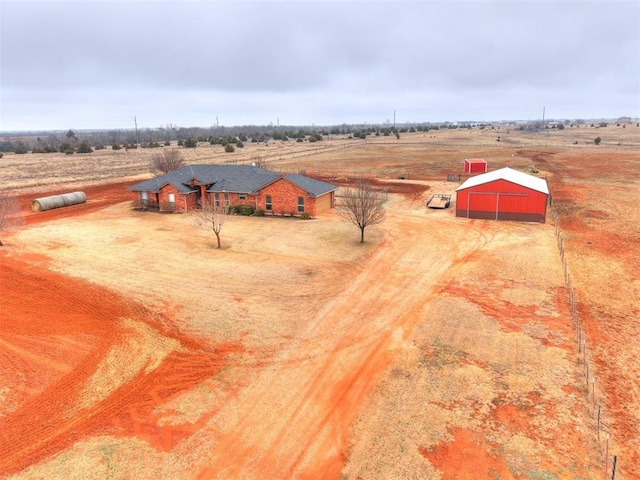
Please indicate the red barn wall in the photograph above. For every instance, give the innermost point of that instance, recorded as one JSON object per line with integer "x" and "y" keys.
{"x": 475, "y": 167}
{"x": 502, "y": 200}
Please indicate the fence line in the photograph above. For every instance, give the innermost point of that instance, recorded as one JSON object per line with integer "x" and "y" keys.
{"x": 583, "y": 351}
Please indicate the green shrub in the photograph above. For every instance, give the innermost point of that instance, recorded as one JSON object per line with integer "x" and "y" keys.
{"x": 99, "y": 146}
{"x": 167, "y": 143}
{"x": 21, "y": 149}
{"x": 229, "y": 148}
{"x": 50, "y": 149}
{"x": 246, "y": 210}
{"x": 240, "y": 145}
{"x": 115, "y": 146}
{"x": 69, "y": 151}
{"x": 84, "y": 147}
{"x": 1, "y": 155}
{"x": 596, "y": 140}
{"x": 37, "y": 150}
{"x": 259, "y": 212}
{"x": 190, "y": 143}
{"x": 305, "y": 216}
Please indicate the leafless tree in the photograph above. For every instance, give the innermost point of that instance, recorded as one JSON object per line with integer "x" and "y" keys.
{"x": 362, "y": 206}
{"x": 212, "y": 216}
{"x": 167, "y": 161}
{"x": 9, "y": 209}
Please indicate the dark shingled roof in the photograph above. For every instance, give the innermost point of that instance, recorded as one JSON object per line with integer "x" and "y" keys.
{"x": 228, "y": 178}
{"x": 310, "y": 185}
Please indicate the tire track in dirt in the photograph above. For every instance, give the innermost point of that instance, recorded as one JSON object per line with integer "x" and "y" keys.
{"x": 295, "y": 418}
{"x": 83, "y": 320}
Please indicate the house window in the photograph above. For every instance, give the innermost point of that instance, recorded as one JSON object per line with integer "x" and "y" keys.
{"x": 226, "y": 199}
{"x": 267, "y": 203}
{"x": 242, "y": 196}
{"x": 300, "y": 204}
{"x": 172, "y": 200}
{"x": 216, "y": 199}
{"x": 144, "y": 197}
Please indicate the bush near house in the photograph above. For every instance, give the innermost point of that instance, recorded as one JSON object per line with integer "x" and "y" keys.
{"x": 241, "y": 209}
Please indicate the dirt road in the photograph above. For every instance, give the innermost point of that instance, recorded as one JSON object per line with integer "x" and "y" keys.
{"x": 331, "y": 350}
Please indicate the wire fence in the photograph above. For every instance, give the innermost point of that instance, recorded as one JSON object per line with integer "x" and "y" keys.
{"x": 601, "y": 426}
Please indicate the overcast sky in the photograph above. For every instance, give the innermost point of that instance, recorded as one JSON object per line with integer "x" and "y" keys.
{"x": 98, "y": 64}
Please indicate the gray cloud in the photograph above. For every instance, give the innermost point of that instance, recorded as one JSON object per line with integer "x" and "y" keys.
{"x": 96, "y": 64}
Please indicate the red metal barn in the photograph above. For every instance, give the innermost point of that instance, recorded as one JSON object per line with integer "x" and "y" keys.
{"x": 475, "y": 165}
{"x": 504, "y": 194}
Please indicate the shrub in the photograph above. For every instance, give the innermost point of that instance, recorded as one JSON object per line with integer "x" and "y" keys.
{"x": 69, "y": 151}
{"x": 240, "y": 145}
{"x": 259, "y": 212}
{"x": 37, "y": 150}
{"x": 115, "y": 146}
{"x": 229, "y": 148}
{"x": 299, "y": 140}
{"x": 1, "y": 155}
{"x": 190, "y": 143}
{"x": 597, "y": 140}
{"x": 99, "y": 146}
{"x": 84, "y": 147}
{"x": 246, "y": 210}
{"x": 50, "y": 149}
{"x": 21, "y": 149}
{"x": 167, "y": 143}
{"x": 305, "y": 216}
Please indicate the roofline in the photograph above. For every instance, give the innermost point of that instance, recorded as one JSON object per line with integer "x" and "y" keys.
{"x": 506, "y": 180}
{"x": 493, "y": 177}
{"x": 308, "y": 192}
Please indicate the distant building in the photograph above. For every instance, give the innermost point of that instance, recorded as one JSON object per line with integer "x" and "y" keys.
{"x": 475, "y": 165}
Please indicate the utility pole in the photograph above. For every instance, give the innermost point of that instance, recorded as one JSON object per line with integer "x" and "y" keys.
{"x": 135, "y": 120}
{"x": 394, "y": 118}
{"x": 543, "y": 117}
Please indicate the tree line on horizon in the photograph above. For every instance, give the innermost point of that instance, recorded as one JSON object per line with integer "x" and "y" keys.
{"x": 229, "y": 137}
{"x": 86, "y": 141}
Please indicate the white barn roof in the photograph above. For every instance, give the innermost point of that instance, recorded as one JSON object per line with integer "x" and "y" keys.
{"x": 510, "y": 175}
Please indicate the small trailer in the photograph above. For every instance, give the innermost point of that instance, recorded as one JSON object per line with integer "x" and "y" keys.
{"x": 439, "y": 200}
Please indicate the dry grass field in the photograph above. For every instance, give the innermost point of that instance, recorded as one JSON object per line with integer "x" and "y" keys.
{"x": 441, "y": 348}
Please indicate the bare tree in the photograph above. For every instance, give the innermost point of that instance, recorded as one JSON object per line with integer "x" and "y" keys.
{"x": 167, "y": 161}
{"x": 9, "y": 209}
{"x": 212, "y": 215}
{"x": 362, "y": 206}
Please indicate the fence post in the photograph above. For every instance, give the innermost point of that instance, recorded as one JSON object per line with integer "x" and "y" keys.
{"x": 606, "y": 458}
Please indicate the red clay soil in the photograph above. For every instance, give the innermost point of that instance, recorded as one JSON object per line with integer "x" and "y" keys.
{"x": 595, "y": 195}
{"x": 98, "y": 196}
{"x": 466, "y": 458}
{"x": 54, "y": 332}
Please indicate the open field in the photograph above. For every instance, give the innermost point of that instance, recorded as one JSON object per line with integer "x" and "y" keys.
{"x": 441, "y": 348}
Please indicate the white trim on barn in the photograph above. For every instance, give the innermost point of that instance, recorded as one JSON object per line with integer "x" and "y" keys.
{"x": 510, "y": 175}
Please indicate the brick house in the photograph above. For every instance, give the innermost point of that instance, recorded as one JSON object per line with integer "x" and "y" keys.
{"x": 184, "y": 189}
